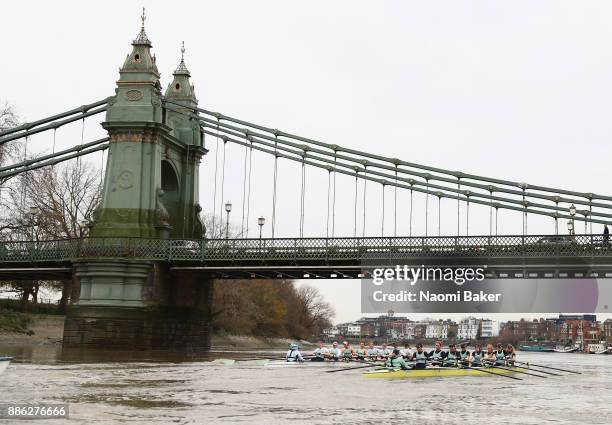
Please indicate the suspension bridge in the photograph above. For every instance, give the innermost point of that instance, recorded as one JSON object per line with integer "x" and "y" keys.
{"x": 146, "y": 265}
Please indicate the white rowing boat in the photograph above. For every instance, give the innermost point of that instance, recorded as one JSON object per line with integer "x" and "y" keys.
{"x": 309, "y": 364}
{"x": 4, "y": 362}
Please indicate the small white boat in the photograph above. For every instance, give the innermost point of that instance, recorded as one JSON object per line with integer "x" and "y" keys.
{"x": 4, "y": 362}
{"x": 600, "y": 348}
{"x": 559, "y": 349}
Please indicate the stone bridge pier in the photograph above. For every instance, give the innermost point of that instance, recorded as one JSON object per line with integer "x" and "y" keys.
{"x": 150, "y": 191}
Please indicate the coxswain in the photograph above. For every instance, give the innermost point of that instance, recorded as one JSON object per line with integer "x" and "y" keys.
{"x": 500, "y": 355}
{"x": 419, "y": 357}
{"x": 396, "y": 361}
{"x": 477, "y": 356}
{"x": 320, "y": 353}
{"x": 406, "y": 352}
{"x": 437, "y": 356}
{"x": 361, "y": 352}
{"x": 334, "y": 352}
{"x": 347, "y": 352}
{"x": 294, "y": 355}
{"x": 372, "y": 352}
{"x": 452, "y": 357}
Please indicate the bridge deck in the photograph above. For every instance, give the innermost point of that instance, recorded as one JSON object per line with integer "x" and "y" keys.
{"x": 504, "y": 256}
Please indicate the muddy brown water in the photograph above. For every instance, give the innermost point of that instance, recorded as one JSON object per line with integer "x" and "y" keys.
{"x": 174, "y": 388}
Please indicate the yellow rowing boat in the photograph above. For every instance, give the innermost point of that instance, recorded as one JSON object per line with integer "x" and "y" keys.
{"x": 436, "y": 372}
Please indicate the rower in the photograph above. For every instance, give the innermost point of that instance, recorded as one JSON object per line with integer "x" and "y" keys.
{"x": 372, "y": 352}
{"x": 396, "y": 361}
{"x": 489, "y": 356}
{"x": 361, "y": 352}
{"x": 334, "y": 352}
{"x": 406, "y": 352}
{"x": 464, "y": 354}
{"x": 510, "y": 355}
{"x": 320, "y": 353}
{"x": 419, "y": 357}
{"x": 452, "y": 357}
{"x": 347, "y": 352}
{"x": 437, "y": 355}
{"x": 500, "y": 355}
{"x": 477, "y": 356}
{"x": 384, "y": 352}
{"x": 294, "y": 355}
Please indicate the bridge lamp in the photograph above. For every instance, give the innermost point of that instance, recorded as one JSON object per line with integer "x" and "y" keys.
{"x": 572, "y": 211}
{"x": 228, "y": 208}
{"x": 83, "y": 225}
{"x": 34, "y": 211}
{"x": 261, "y": 221}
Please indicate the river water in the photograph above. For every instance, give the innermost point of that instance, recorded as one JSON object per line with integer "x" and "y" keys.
{"x": 159, "y": 388}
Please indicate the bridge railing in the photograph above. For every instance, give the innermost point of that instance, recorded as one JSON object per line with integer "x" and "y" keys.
{"x": 295, "y": 249}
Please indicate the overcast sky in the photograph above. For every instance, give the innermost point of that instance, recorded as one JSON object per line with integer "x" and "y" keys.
{"x": 519, "y": 90}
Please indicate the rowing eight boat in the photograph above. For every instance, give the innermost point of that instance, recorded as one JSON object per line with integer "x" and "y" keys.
{"x": 435, "y": 372}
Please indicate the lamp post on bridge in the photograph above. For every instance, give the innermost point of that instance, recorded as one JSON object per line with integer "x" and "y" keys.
{"x": 228, "y": 208}
{"x": 570, "y": 224}
{"x": 34, "y": 211}
{"x": 261, "y": 221}
{"x": 82, "y": 226}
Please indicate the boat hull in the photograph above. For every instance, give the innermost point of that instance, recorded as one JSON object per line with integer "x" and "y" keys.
{"x": 536, "y": 348}
{"x": 308, "y": 364}
{"x": 435, "y": 372}
{"x": 4, "y": 362}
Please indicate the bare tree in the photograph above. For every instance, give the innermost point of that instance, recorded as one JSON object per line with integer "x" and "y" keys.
{"x": 8, "y": 119}
{"x": 64, "y": 196}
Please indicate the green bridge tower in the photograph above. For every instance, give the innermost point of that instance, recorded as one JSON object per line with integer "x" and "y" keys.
{"x": 150, "y": 190}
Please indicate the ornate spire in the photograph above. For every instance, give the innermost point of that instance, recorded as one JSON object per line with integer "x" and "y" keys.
{"x": 142, "y": 38}
{"x": 182, "y": 68}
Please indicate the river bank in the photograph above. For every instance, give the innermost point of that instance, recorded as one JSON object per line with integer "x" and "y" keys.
{"x": 47, "y": 330}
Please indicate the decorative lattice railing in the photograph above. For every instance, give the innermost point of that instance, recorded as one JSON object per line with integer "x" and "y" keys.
{"x": 287, "y": 249}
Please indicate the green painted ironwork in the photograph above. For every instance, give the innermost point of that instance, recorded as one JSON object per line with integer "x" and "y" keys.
{"x": 319, "y": 249}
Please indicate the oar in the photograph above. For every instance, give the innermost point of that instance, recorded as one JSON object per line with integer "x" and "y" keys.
{"x": 516, "y": 371}
{"x": 492, "y": 373}
{"x": 352, "y": 368}
{"x": 552, "y": 368}
{"x": 539, "y": 371}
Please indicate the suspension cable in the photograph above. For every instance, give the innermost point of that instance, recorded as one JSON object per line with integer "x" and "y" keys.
{"x": 214, "y": 235}
{"x": 222, "y": 188}
{"x": 355, "y": 218}
{"x": 382, "y": 226}
{"x": 410, "y": 234}
{"x": 467, "y": 216}
{"x": 439, "y": 215}
{"x": 427, "y": 208}
{"x": 395, "y": 205}
{"x": 450, "y": 196}
{"x": 244, "y": 185}
{"x": 334, "y": 202}
{"x": 365, "y": 186}
{"x": 489, "y": 188}
{"x": 458, "y": 211}
{"x": 274, "y": 183}
{"x": 455, "y": 174}
{"x": 249, "y": 190}
{"x": 328, "y": 196}
{"x": 302, "y": 199}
